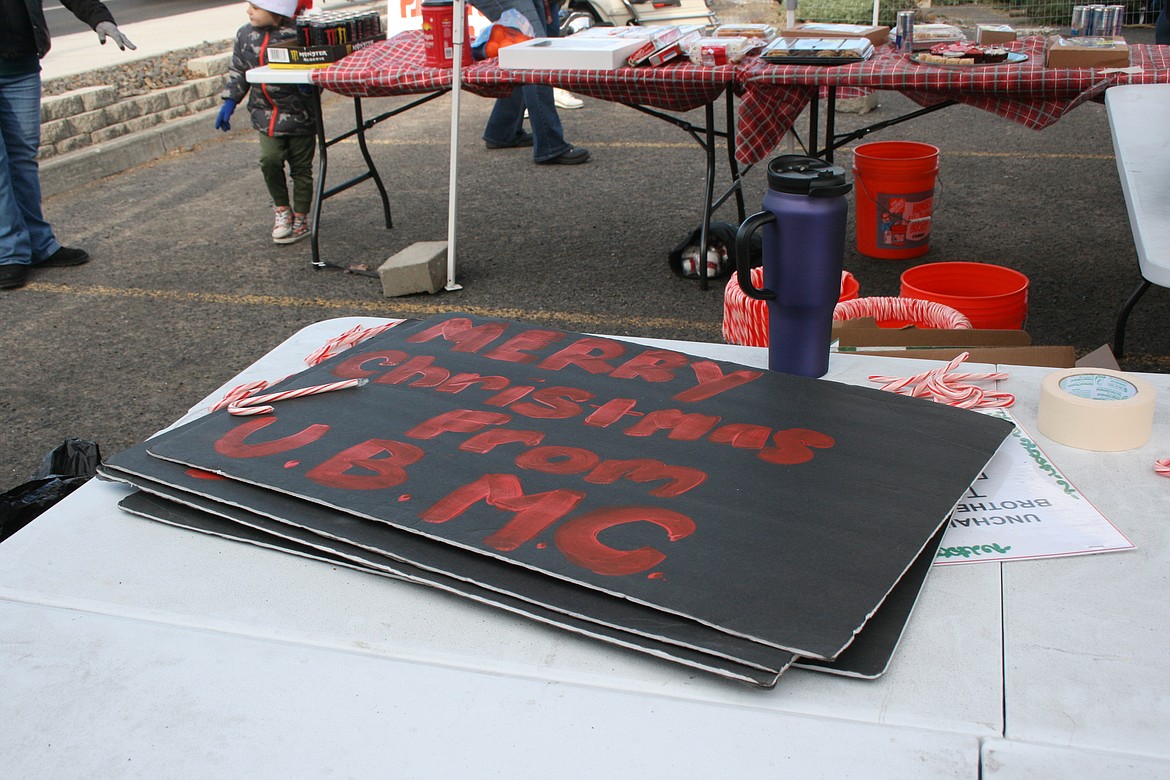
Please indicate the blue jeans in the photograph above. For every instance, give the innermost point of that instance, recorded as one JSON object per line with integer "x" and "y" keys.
{"x": 25, "y": 236}
{"x": 506, "y": 122}
{"x": 1162, "y": 27}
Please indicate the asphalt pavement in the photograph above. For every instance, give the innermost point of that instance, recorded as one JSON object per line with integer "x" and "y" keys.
{"x": 186, "y": 288}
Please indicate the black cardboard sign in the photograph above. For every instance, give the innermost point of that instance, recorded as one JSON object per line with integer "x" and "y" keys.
{"x": 773, "y": 507}
{"x": 426, "y": 561}
{"x": 238, "y": 525}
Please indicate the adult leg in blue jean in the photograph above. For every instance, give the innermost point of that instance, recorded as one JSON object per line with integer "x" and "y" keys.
{"x": 26, "y": 238}
{"x": 505, "y": 126}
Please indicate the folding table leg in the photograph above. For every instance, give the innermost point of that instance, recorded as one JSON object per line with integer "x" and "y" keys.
{"x": 1123, "y": 317}
{"x": 732, "y": 163}
{"x": 319, "y": 183}
{"x": 708, "y": 193}
{"x": 360, "y": 124}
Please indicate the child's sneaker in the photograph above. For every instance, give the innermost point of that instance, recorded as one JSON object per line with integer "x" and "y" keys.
{"x": 300, "y": 229}
{"x": 283, "y": 226}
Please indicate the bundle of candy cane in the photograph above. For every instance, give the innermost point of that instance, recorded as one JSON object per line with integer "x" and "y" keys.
{"x": 945, "y": 386}
{"x": 242, "y": 400}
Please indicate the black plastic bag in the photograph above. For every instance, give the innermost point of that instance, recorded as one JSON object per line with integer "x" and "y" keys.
{"x": 720, "y": 239}
{"x": 62, "y": 471}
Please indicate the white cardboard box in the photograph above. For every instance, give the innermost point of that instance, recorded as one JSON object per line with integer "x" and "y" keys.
{"x": 568, "y": 53}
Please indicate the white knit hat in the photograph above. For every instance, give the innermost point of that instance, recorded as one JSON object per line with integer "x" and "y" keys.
{"x": 286, "y": 8}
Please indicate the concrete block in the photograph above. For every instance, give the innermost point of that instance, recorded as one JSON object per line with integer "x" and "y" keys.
{"x": 858, "y": 105}
{"x": 106, "y": 134}
{"x": 67, "y": 145}
{"x": 57, "y": 131}
{"x": 76, "y": 101}
{"x": 421, "y": 267}
{"x": 208, "y": 87}
{"x": 56, "y": 107}
{"x": 180, "y": 95}
{"x": 213, "y": 65}
{"x": 93, "y": 121}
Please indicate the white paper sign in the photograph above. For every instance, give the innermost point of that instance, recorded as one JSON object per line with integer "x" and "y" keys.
{"x": 1022, "y": 506}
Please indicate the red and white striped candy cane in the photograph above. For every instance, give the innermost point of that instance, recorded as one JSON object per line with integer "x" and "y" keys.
{"x": 237, "y": 393}
{"x": 946, "y": 386}
{"x": 338, "y": 344}
{"x": 261, "y": 404}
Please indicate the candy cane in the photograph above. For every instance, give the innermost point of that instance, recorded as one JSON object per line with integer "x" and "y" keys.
{"x": 945, "y": 385}
{"x": 1162, "y": 467}
{"x": 924, "y": 313}
{"x": 237, "y": 393}
{"x": 260, "y": 404}
{"x": 354, "y": 335}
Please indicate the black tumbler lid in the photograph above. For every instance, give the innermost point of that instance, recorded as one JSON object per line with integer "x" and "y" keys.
{"x": 797, "y": 174}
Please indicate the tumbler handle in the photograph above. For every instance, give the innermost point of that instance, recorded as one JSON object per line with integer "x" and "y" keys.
{"x": 743, "y": 259}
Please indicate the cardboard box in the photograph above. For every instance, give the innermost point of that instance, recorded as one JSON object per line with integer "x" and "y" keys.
{"x": 994, "y": 33}
{"x": 660, "y": 38}
{"x": 1086, "y": 52}
{"x": 1011, "y": 347}
{"x": 290, "y": 55}
{"x": 569, "y": 53}
{"x": 670, "y": 51}
{"x": 876, "y": 35}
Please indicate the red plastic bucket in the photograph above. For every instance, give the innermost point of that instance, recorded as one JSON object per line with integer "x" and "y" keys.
{"x": 895, "y": 198}
{"x": 991, "y": 296}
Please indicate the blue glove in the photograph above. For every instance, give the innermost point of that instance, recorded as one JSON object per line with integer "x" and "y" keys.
{"x": 225, "y": 113}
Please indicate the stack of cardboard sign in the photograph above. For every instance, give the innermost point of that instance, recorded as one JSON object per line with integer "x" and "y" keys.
{"x": 729, "y": 519}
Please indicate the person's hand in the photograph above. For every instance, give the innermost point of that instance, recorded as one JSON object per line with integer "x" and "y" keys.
{"x": 109, "y": 28}
{"x": 225, "y": 113}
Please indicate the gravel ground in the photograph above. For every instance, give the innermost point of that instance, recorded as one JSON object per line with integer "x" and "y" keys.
{"x": 138, "y": 77}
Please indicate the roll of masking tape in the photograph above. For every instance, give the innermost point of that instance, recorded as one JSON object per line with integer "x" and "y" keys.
{"x": 1096, "y": 409}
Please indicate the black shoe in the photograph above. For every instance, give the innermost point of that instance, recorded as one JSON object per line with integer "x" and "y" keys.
{"x": 13, "y": 275}
{"x": 64, "y": 257}
{"x": 523, "y": 140}
{"x": 574, "y": 156}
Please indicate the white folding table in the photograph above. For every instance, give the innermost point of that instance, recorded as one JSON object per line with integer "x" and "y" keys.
{"x": 1139, "y": 118}
{"x": 131, "y": 648}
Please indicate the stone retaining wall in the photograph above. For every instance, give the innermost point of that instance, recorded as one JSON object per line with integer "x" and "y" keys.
{"x": 94, "y": 115}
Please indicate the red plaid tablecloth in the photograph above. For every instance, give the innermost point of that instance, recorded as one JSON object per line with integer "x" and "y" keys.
{"x": 384, "y": 69}
{"x": 1028, "y": 93}
{"x": 771, "y": 96}
{"x": 396, "y": 67}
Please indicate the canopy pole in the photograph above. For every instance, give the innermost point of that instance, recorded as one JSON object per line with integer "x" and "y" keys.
{"x": 457, "y": 34}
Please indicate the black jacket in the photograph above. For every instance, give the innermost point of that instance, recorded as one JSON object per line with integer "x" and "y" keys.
{"x": 23, "y": 29}
{"x": 276, "y": 109}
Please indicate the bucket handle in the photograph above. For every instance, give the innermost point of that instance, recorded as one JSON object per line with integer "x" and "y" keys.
{"x": 743, "y": 261}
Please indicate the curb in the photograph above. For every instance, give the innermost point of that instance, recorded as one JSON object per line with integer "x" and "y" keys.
{"x": 69, "y": 171}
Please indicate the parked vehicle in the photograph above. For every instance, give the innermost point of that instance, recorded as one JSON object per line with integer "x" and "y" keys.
{"x": 580, "y": 14}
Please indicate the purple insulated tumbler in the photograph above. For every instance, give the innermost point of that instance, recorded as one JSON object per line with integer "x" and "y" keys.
{"x": 804, "y": 249}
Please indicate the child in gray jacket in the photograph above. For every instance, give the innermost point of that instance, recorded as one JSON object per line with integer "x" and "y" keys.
{"x": 281, "y": 113}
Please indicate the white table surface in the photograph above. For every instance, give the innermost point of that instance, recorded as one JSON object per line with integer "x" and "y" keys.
{"x": 1139, "y": 118}
{"x": 271, "y": 75}
{"x": 130, "y": 647}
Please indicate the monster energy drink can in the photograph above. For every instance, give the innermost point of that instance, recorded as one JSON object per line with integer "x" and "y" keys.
{"x": 904, "y": 31}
